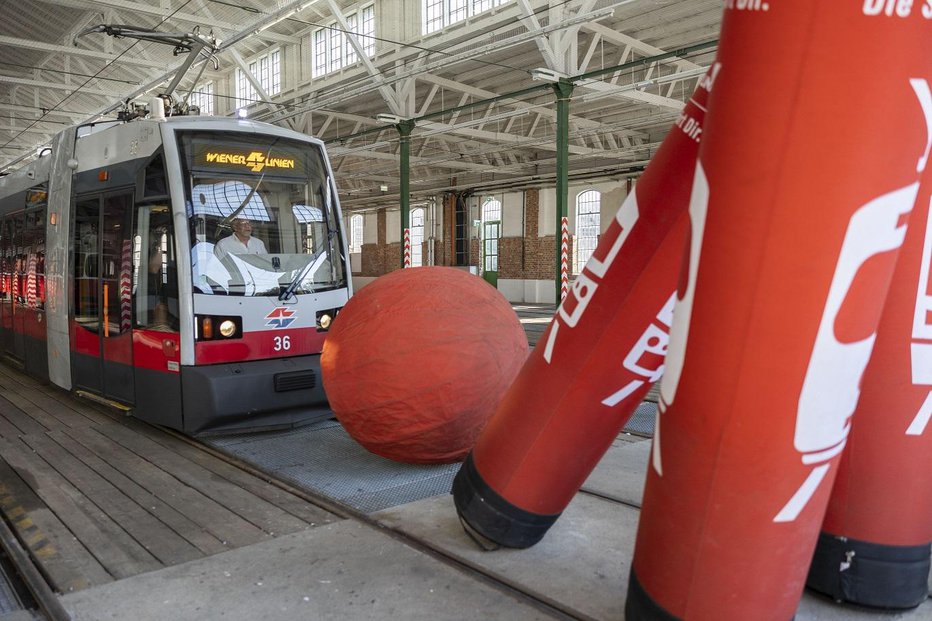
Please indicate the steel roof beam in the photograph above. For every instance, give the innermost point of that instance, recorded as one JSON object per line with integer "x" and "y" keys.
{"x": 517, "y": 103}
{"x": 38, "y": 110}
{"x": 165, "y": 13}
{"x": 626, "y": 40}
{"x": 54, "y": 86}
{"x": 74, "y": 51}
{"x": 390, "y": 98}
{"x": 444, "y": 63}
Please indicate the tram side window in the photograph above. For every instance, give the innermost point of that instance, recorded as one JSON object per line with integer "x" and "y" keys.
{"x": 86, "y": 302}
{"x": 116, "y": 264}
{"x": 155, "y": 183}
{"x": 35, "y": 259}
{"x": 19, "y": 261}
{"x": 36, "y": 202}
{"x": 155, "y": 275}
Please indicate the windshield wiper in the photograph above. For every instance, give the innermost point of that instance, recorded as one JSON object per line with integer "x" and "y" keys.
{"x": 314, "y": 263}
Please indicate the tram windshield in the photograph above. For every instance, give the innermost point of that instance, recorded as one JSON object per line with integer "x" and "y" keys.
{"x": 262, "y": 216}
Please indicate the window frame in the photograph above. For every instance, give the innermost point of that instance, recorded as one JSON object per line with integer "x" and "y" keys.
{"x": 356, "y": 224}
{"x": 437, "y": 15}
{"x": 203, "y": 94}
{"x": 417, "y": 229}
{"x": 485, "y": 213}
{"x": 330, "y": 40}
{"x": 591, "y": 199}
{"x": 267, "y": 69}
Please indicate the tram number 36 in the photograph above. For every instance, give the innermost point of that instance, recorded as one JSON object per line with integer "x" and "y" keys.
{"x": 282, "y": 343}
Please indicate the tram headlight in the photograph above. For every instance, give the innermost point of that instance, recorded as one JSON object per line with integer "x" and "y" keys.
{"x": 325, "y": 320}
{"x": 227, "y": 328}
{"x": 213, "y": 327}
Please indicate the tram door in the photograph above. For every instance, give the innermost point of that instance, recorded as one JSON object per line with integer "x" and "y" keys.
{"x": 101, "y": 329}
{"x": 490, "y": 234}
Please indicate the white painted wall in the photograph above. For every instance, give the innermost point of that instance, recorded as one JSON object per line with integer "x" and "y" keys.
{"x": 370, "y": 228}
{"x": 361, "y": 281}
{"x": 512, "y": 211}
{"x": 547, "y": 210}
{"x": 613, "y": 194}
{"x": 392, "y": 226}
{"x": 528, "y": 291}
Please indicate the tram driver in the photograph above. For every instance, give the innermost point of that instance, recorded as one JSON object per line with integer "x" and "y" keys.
{"x": 241, "y": 241}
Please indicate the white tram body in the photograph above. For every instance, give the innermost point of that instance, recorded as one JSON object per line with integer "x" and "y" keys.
{"x": 114, "y": 283}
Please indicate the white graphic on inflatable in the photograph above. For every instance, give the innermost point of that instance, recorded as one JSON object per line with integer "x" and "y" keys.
{"x": 921, "y": 348}
{"x": 832, "y": 384}
{"x": 682, "y": 311}
{"x": 653, "y": 342}
{"x": 574, "y": 305}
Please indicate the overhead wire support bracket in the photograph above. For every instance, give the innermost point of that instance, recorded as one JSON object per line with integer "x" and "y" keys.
{"x": 193, "y": 43}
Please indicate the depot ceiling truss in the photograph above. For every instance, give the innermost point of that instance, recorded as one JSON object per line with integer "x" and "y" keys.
{"x": 503, "y": 138}
{"x": 522, "y": 131}
{"x": 485, "y": 132}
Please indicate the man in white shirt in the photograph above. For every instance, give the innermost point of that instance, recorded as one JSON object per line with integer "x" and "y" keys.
{"x": 241, "y": 241}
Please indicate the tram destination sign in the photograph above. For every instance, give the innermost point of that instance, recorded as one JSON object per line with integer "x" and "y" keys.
{"x": 258, "y": 159}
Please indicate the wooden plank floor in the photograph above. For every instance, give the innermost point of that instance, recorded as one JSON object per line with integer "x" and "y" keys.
{"x": 96, "y": 496}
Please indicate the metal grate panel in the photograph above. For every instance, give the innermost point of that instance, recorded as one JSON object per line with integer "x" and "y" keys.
{"x": 325, "y": 459}
{"x": 297, "y": 380}
{"x": 642, "y": 421}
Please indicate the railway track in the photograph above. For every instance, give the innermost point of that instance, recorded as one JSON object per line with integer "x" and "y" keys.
{"x": 549, "y": 606}
{"x": 25, "y": 584}
{"x": 39, "y": 596}
{"x": 473, "y": 564}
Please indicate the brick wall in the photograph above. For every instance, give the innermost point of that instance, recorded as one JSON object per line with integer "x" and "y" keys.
{"x": 446, "y": 249}
{"x": 380, "y": 258}
{"x": 441, "y": 253}
{"x": 530, "y": 257}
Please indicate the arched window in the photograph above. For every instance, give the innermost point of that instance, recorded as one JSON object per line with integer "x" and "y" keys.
{"x": 491, "y": 231}
{"x": 355, "y": 244}
{"x": 491, "y": 210}
{"x": 588, "y": 227}
{"x": 417, "y": 237}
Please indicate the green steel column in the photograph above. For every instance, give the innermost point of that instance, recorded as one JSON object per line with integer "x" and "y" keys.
{"x": 404, "y": 130}
{"x": 563, "y": 91}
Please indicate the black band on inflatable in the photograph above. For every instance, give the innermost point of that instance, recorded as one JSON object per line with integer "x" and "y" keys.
{"x": 641, "y": 607}
{"x": 870, "y": 574}
{"x": 493, "y": 517}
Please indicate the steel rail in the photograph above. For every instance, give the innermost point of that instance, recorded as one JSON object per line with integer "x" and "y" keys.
{"x": 492, "y": 579}
{"x": 38, "y": 586}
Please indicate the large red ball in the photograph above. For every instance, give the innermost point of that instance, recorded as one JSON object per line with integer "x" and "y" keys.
{"x": 418, "y": 360}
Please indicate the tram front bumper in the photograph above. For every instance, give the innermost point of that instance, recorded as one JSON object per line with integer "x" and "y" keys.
{"x": 253, "y": 395}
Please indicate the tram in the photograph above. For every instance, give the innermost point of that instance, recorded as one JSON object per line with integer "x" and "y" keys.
{"x": 113, "y": 283}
